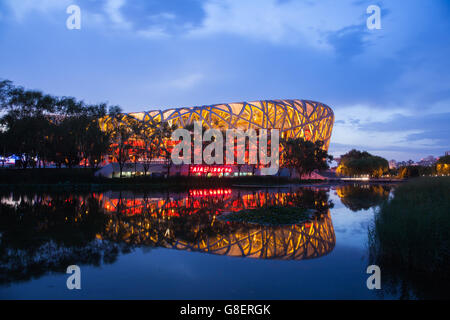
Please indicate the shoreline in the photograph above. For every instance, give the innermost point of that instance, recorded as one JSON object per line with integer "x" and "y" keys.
{"x": 83, "y": 180}
{"x": 177, "y": 186}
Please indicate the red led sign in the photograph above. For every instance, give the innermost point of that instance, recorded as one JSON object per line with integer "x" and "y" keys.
{"x": 210, "y": 169}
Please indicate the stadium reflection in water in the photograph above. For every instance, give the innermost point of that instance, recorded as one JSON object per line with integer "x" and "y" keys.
{"x": 189, "y": 222}
{"x": 176, "y": 245}
{"x": 43, "y": 233}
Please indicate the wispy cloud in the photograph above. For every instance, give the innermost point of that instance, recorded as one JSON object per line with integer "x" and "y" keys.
{"x": 187, "y": 81}
{"x": 288, "y": 22}
{"x": 389, "y": 132}
{"x": 113, "y": 11}
{"x": 307, "y": 23}
{"x": 22, "y": 8}
{"x": 153, "y": 32}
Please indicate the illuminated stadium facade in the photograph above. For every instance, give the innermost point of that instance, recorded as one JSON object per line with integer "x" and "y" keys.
{"x": 294, "y": 118}
{"x": 306, "y": 119}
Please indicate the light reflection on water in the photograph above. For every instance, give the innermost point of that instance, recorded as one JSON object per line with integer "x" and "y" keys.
{"x": 172, "y": 246}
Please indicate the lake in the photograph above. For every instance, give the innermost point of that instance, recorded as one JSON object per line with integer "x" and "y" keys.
{"x": 176, "y": 245}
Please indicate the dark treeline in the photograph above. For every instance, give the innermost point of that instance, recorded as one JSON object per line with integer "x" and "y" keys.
{"x": 414, "y": 171}
{"x": 39, "y": 128}
{"x": 442, "y": 167}
{"x": 357, "y": 163}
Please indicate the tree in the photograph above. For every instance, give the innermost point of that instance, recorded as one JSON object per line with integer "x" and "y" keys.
{"x": 443, "y": 165}
{"x": 137, "y": 128}
{"x": 25, "y": 122}
{"x": 121, "y": 134}
{"x": 304, "y": 156}
{"x": 414, "y": 171}
{"x": 355, "y": 163}
{"x": 196, "y": 153}
{"x": 163, "y": 132}
{"x": 5, "y": 89}
{"x": 26, "y": 136}
{"x": 4, "y": 152}
{"x": 121, "y": 146}
{"x": 96, "y": 144}
{"x": 70, "y": 140}
{"x": 134, "y": 139}
{"x": 28, "y": 102}
{"x": 41, "y": 127}
{"x": 148, "y": 146}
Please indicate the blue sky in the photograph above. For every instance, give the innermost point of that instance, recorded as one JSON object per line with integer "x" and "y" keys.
{"x": 389, "y": 88}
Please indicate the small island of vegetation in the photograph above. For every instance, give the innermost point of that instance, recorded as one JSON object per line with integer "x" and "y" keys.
{"x": 272, "y": 215}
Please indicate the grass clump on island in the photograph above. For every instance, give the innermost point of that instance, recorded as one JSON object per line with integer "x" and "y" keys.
{"x": 410, "y": 239}
{"x": 271, "y": 215}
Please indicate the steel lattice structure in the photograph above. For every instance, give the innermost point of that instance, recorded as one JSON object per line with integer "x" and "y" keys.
{"x": 294, "y": 118}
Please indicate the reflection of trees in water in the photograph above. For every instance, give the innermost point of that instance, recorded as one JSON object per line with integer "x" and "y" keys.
{"x": 46, "y": 233}
{"x": 363, "y": 197}
{"x": 41, "y": 234}
{"x": 309, "y": 198}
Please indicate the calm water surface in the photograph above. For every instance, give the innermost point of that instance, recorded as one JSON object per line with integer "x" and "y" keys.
{"x": 171, "y": 245}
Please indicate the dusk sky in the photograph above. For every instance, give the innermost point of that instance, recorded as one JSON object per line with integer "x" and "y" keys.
{"x": 389, "y": 88}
